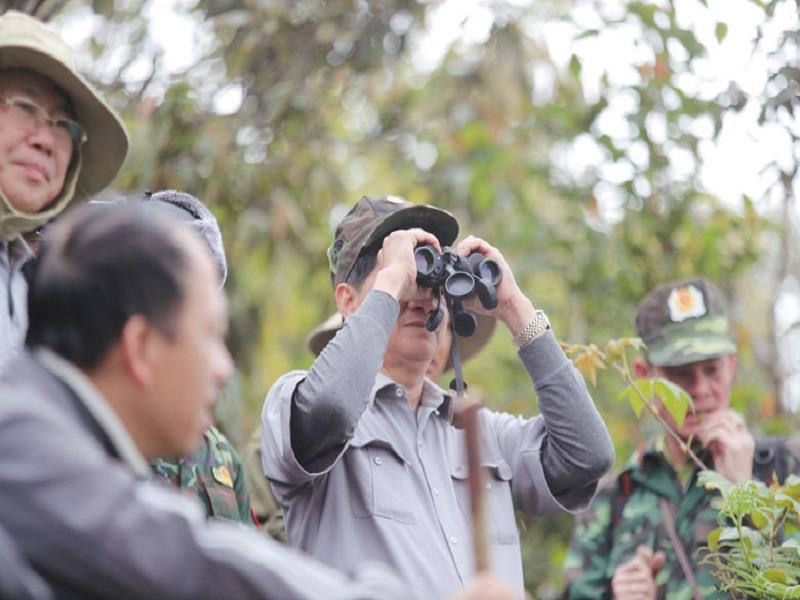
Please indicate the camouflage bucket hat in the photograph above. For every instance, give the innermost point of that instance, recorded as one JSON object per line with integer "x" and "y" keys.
{"x": 372, "y": 219}
{"x": 684, "y": 322}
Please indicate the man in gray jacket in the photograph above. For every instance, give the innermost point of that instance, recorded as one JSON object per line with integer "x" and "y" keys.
{"x": 125, "y": 359}
{"x": 362, "y": 450}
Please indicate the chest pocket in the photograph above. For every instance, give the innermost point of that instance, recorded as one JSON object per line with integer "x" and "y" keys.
{"x": 381, "y": 481}
{"x": 499, "y": 502}
{"x": 220, "y": 499}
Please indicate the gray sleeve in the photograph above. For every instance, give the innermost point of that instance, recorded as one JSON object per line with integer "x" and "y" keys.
{"x": 93, "y": 530}
{"x": 576, "y": 449}
{"x": 328, "y": 403}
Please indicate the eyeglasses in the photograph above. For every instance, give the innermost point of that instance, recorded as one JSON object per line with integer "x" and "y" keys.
{"x": 67, "y": 133}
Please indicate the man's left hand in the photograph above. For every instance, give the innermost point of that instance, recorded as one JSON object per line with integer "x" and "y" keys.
{"x": 726, "y": 436}
{"x": 514, "y": 308}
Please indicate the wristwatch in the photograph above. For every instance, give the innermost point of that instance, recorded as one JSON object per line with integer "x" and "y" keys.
{"x": 538, "y": 325}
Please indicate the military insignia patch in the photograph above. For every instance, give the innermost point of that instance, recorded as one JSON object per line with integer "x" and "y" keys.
{"x": 686, "y": 302}
{"x": 222, "y": 475}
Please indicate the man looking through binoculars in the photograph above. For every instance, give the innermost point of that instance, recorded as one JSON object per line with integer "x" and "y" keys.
{"x": 361, "y": 449}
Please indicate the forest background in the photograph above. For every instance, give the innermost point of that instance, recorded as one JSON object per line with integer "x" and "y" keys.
{"x": 589, "y": 178}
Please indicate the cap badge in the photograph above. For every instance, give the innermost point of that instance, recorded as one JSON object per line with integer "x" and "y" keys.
{"x": 686, "y": 302}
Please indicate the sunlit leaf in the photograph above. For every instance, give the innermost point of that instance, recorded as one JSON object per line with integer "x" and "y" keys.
{"x": 674, "y": 398}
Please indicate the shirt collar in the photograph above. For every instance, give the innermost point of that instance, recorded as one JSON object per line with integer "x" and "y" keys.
{"x": 432, "y": 395}
{"x": 17, "y": 249}
{"x": 98, "y": 407}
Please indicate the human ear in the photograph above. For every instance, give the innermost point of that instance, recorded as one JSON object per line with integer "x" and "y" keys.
{"x": 346, "y": 299}
{"x": 136, "y": 345}
{"x": 642, "y": 368}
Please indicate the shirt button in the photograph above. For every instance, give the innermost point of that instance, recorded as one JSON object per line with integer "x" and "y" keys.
{"x": 378, "y": 460}
{"x": 436, "y": 491}
{"x": 453, "y": 539}
{"x": 488, "y": 486}
{"x": 398, "y": 392}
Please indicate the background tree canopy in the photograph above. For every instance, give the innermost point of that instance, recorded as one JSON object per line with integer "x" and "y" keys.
{"x": 292, "y": 109}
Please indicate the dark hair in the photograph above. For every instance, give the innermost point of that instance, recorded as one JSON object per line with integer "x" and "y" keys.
{"x": 96, "y": 270}
{"x": 363, "y": 266}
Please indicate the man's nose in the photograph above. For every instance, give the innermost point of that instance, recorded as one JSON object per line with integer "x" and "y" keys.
{"x": 700, "y": 387}
{"x": 43, "y": 139}
{"x": 422, "y": 299}
{"x": 224, "y": 365}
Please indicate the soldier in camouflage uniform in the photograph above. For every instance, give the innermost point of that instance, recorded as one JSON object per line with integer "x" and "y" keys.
{"x": 646, "y": 531}
{"x": 214, "y": 472}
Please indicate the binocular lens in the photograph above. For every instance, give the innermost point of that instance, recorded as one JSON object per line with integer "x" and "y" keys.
{"x": 425, "y": 259}
{"x": 489, "y": 271}
{"x": 459, "y": 285}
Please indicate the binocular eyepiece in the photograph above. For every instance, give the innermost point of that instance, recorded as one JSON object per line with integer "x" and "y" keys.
{"x": 460, "y": 278}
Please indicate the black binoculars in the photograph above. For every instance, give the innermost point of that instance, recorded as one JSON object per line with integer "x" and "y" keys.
{"x": 459, "y": 277}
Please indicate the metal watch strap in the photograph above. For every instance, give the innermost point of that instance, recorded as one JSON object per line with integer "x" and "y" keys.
{"x": 538, "y": 325}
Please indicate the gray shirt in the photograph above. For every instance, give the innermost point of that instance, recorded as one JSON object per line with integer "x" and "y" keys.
{"x": 389, "y": 483}
{"x": 72, "y": 498}
{"x": 13, "y": 297}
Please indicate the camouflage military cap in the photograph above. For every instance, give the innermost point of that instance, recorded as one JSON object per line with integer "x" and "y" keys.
{"x": 372, "y": 219}
{"x": 684, "y": 322}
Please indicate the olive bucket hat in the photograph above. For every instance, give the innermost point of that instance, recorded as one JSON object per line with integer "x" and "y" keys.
{"x": 26, "y": 43}
{"x": 684, "y": 322}
{"x": 468, "y": 347}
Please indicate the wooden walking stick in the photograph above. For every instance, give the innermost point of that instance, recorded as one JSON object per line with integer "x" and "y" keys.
{"x": 467, "y": 417}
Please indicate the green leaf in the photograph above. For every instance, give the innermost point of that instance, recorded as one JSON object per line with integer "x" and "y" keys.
{"x": 587, "y": 34}
{"x": 575, "y": 66}
{"x": 721, "y": 30}
{"x": 633, "y": 395}
{"x": 713, "y": 539}
{"x": 792, "y": 543}
{"x": 776, "y": 575}
{"x": 759, "y": 519}
{"x": 674, "y": 399}
{"x": 711, "y": 480}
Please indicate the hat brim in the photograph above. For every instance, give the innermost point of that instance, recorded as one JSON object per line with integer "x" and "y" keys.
{"x": 467, "y": 347}
{"x": 107, "y": 144}
{"x": 679, "y": 353}
{"x": 470, "y": 346}
{"x": 433, "y": 220}
{"x": 322, "y": 334}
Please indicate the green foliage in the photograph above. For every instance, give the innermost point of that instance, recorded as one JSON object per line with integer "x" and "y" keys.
{"x": 653, "y": 394}
{"x": 753, "y": 553}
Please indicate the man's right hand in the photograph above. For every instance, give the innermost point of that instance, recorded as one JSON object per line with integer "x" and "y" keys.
{"x": 396, "y": 267}
{"x": 635, "y": 579}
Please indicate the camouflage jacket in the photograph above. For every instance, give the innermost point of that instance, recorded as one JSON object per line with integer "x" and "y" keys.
{"x": 627, "y": 513}
{"x": 266, "y": 509}
{"x": 214, "y": 472}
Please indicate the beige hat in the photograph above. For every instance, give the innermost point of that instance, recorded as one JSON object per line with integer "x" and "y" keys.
{"x": 468, "y": 347}
{"x": 26, "y": 43}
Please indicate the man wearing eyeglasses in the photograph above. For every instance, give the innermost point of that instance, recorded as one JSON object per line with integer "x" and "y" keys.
{"x": 59, "y": 142}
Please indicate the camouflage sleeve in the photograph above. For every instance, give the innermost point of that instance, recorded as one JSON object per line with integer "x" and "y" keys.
{"x": 586, "y": 565}
{"x": 240, "y": 486}
{"x": 165, "y": 471}
{"x": 224, "y": 481}
{"x": 265, "y": 507}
